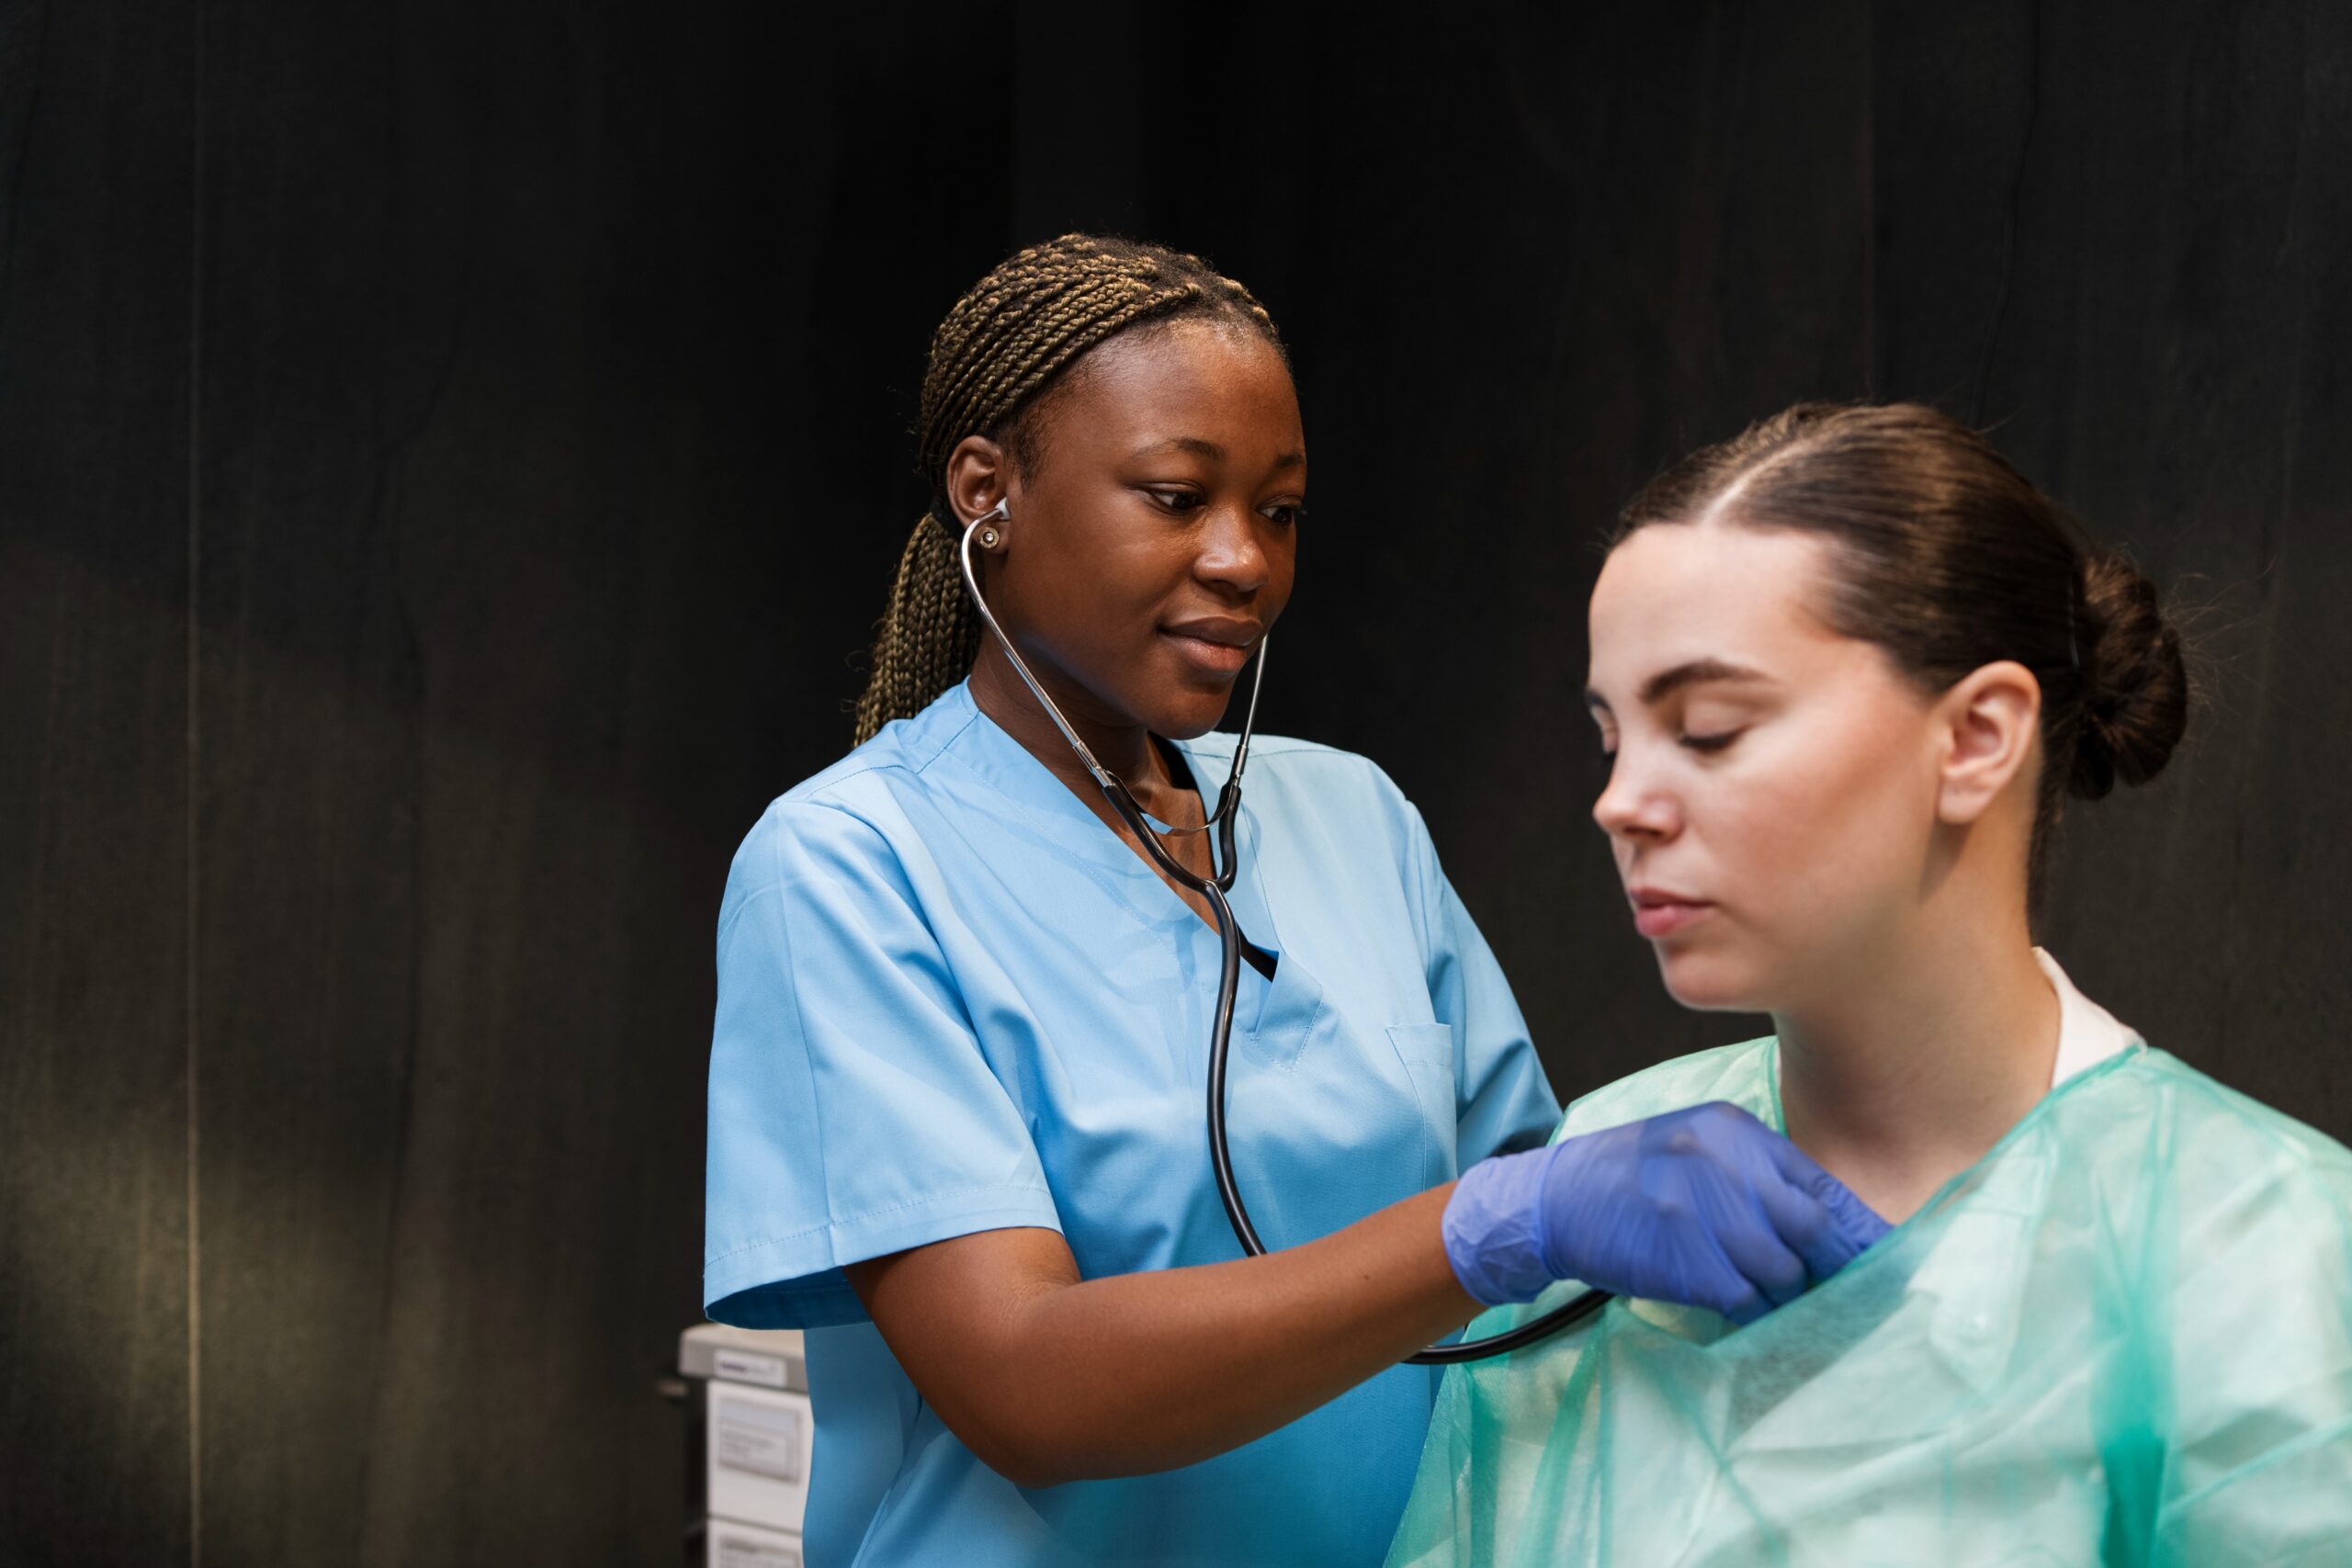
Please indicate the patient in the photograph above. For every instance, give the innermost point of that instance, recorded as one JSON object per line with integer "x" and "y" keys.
{"x": 1849, "y": 667}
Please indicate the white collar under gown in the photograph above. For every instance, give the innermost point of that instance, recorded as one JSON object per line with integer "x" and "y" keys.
{"x": 2124, "y": 1336}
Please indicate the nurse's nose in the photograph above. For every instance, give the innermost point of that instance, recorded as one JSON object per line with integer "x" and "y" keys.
{"x": 1232, "y": 556}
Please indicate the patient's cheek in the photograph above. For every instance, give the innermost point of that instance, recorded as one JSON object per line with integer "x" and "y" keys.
{"x": 1837, "y": 827}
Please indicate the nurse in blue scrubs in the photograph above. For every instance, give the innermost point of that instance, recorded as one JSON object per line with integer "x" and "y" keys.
{"x": 959, "y": 1057}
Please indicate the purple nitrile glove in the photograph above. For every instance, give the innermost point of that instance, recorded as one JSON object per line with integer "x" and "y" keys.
{"x": 1704, "y": 1206}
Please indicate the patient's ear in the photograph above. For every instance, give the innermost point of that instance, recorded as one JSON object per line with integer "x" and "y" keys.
{"x": 1989, "y": 722}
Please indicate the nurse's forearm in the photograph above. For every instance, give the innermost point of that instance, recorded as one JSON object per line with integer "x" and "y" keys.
{"x": 1048, "y": 1378}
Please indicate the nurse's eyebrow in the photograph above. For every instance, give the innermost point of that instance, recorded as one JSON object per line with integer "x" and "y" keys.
{"x": 1211, "y": 450}
{"x": 1666, "y": 682}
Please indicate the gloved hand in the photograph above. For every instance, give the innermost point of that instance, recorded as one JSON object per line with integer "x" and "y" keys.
{"x": 1704, "y": 1206}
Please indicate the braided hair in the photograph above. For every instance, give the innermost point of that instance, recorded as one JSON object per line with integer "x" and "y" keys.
{"x": 1003, "y": 344}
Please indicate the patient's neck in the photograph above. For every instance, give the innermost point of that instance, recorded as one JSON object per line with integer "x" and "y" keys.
{"x": 1903, "y": 1073}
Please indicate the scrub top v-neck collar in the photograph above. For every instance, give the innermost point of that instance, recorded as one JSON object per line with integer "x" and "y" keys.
{"x": 1056, "y": 811}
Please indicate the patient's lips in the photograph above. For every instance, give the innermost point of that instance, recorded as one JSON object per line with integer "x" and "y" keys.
{"x": 1661, "y": 912}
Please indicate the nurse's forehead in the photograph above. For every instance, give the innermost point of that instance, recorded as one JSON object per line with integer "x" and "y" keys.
{"x": 1178, "y": 374}
{"x": 1681, "y": 594}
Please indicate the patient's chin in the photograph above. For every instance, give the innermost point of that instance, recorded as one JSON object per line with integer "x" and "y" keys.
{"x": 1709, "y": 981}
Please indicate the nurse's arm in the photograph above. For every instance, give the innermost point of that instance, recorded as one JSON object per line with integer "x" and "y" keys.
{"x": 1051, "y": 1378}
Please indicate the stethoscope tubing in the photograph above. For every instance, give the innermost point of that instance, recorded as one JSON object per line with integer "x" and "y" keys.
{"x": 1223, "y": 862}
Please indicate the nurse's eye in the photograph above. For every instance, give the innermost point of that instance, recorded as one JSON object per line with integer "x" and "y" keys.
{"x": 1712, "y": 742}
{"x": 1183, "y": 503}
{"x": 1289, "y": 513}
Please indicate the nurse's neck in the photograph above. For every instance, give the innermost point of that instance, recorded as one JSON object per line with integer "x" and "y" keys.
{"x": 1119, "y": 744}
{"x": 1905, "y": 1063}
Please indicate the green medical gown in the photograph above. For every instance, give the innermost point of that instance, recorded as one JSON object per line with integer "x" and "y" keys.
{"x": 2124, "y": 1336}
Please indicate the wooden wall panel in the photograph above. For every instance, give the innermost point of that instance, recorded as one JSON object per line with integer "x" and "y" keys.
{"x": 95, "y": 107}
{"x": 307, "y": 833}
{"x": 2139, "y": 275}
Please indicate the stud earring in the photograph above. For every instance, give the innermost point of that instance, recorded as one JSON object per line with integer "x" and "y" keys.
{"x": 990, "y": 539}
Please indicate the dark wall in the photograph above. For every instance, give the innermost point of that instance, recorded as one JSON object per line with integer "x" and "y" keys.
{"x": 449, "y": 454}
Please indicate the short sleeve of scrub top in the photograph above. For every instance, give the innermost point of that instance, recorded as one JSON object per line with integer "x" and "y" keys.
{"x": 951, "y": 1000}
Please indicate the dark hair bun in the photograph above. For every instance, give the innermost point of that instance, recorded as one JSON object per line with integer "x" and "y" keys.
{"x": 2135, "y": 687}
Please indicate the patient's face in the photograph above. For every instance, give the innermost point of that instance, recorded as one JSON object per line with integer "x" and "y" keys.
{"x": 1772, "y": 798}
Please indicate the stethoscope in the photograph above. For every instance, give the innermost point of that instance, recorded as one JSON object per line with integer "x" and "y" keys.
{"x": 1214, "y": 888}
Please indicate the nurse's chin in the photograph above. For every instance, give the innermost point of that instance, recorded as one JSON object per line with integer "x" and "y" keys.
{"x": 1188, "y": 715}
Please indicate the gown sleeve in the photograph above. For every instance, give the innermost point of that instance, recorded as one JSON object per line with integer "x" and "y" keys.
{"x": 1503, "y": 1100}
{"x": 2257, "y": 1468}
{"x": 852, "y": 1113}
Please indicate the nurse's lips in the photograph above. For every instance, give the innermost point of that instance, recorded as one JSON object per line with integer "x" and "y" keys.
{"x": 1217, "y": 644}
{"x": 1658, "y": 912}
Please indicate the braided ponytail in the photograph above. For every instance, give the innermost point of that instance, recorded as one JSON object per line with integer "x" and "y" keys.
{"x": 1000, "y": 347}
{"x": 927, "y": 636}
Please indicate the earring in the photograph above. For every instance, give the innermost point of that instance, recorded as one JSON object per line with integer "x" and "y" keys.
{"x": 990, "y": 539}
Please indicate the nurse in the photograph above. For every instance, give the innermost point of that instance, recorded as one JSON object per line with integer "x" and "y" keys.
{"x": 959, "y": 1057}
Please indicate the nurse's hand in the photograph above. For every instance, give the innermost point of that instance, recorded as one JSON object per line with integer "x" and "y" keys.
{"x": 1705, "y": 1206}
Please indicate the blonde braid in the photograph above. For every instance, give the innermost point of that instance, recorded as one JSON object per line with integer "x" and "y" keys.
{"x": 1000, "y": 347}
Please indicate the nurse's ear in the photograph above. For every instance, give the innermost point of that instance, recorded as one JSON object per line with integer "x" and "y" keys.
{"x": 1985, "y": 727}
{"x": 979, "y": 479}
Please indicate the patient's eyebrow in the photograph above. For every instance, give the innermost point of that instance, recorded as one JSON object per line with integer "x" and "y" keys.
{"x": 1666, "y": 682}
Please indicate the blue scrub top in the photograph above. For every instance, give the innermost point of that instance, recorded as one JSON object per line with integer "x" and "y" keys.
{"x": 950, "y": 999}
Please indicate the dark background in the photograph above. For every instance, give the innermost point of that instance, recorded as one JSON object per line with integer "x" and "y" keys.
{"x": 450, "y": 452}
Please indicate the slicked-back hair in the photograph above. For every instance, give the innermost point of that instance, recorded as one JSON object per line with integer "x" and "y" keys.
{"x": 1947, "y": 559}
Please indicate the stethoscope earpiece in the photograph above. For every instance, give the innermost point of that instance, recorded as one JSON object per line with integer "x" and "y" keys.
{"x": 984, "y": 533}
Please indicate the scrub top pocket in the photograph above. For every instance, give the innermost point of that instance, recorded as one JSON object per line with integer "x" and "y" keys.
{"x": 1427, "y": 1051}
